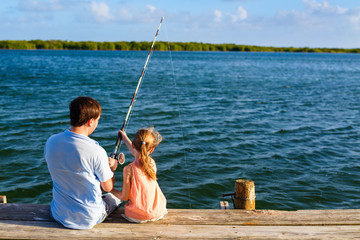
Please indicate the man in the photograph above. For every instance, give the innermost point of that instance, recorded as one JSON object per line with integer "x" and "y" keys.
{"x": 79, "y": 168}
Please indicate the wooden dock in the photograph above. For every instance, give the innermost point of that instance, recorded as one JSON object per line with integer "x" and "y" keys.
{"x": 27, "y": 221}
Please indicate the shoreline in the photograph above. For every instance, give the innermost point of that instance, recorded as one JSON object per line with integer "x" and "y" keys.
{"x": 159, "y": 46}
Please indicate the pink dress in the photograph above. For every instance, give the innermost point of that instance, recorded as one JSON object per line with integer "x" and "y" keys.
{"x": 146, "y": 200}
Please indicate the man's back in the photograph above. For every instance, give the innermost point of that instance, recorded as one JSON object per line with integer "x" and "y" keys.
{"x": 76, "y": 164}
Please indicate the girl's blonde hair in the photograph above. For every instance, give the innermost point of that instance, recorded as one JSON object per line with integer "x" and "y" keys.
{"x": 144, "y": 140}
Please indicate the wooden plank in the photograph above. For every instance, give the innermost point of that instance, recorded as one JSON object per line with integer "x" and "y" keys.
{"x": 27, "y": 212}
{"x": 24, "y": 221}
{"x": 257, "y": 217}
{"x": 52, "y": 230}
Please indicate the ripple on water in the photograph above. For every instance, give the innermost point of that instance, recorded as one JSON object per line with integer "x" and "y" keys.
{"x": 287, "y": 121}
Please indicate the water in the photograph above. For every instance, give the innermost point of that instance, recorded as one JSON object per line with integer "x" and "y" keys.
{"x": 289, "y": 122}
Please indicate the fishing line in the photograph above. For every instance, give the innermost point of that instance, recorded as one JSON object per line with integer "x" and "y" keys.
{"x": 138, "y": 94}
{"x": 132, "y": 109}
{"x": 120, "y": 156}
{"x": 180, "y": 118}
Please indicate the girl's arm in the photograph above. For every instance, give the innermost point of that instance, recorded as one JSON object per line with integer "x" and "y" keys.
{"x": 127, "y": 142}
{"x": 124, "y": 194}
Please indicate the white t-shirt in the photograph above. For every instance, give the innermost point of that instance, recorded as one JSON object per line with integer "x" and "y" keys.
{"x": 77, "y": 164}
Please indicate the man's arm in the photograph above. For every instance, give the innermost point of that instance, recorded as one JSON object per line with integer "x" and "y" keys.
{"x": 109, "y": 184}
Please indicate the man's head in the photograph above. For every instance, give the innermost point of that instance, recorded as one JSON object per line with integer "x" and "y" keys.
{"x": 83, "y": 109}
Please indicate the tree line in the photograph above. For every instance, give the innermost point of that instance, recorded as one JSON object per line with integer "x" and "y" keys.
{"x": 159, "y": 46}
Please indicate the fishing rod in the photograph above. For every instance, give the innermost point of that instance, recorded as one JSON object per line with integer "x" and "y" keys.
{"x": 120, "y": 157}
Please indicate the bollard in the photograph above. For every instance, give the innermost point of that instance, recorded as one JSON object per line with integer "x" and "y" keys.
{"x": 244, "y": 194}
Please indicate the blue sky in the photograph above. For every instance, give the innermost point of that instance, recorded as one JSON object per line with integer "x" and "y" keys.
{"x": 298, "y": 23}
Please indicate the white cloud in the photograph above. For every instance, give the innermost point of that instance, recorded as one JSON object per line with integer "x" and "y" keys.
{"x": 325, "y": 7}
{"x": 335, "y": 14}
{"x": 354, "y": 17}
{"x": 238, "y": 16}
{"x": 150, "y": 8}
{"x": 319, "y": 16}
{"x": 319, "y": 24}
{"x": 218, "y": 16}
{"x": 241, "y": 14}
{"x": 144, "y": 14}
{"x": 100, "y": 11}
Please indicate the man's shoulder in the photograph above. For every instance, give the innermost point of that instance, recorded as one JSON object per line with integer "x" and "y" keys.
{"x": 55, "y": 137}
{"x": 95, "y": 149}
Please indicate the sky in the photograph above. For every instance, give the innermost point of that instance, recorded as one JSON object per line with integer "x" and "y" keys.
{"x": 279, "y": 23}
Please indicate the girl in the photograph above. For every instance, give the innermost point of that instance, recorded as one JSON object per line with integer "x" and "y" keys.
{"x": 146, "y": 200}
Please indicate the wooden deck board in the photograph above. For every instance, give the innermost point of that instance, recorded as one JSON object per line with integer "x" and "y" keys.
{"x": 24, "y": 221}
{"x": 52, "y": 230}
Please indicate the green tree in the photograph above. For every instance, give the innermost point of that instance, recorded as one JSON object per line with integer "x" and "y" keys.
{"x": 8, "y": 44}
{"x": 124, "y": 46}
{"x": 161, "y": 46}
{"x": 136, "y": 46}
{"x": 109, "y": 46}
{"x": 55, "y": 45}
{"x": 89, "y": 46}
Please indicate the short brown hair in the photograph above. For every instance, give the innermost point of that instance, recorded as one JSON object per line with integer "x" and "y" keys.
{"x": 82, "y": 109}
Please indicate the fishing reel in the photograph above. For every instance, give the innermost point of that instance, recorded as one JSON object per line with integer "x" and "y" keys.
{"x": 120, "y": 157}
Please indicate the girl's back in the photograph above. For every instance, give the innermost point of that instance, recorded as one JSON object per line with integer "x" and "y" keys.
{"x": 147, "y": 202}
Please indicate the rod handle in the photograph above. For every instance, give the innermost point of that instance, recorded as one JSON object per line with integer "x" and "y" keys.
{"x": 118, "y": 140}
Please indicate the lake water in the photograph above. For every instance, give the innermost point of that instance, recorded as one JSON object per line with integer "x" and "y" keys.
{"x": 288, "y": 121}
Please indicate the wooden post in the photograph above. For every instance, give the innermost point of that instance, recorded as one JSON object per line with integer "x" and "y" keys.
{"x": 244, "y": 194}
{"x": 3, "y": 199}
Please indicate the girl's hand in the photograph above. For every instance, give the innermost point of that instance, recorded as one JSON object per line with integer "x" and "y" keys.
{"x": 127, "y": 142}
{"x": 123, "y": 134}
{"x": 113, "y": 164}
